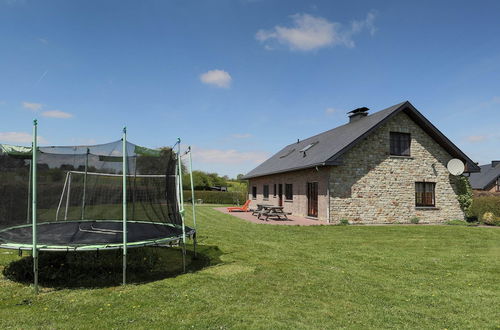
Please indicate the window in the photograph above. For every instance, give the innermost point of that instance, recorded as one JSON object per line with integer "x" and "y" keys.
{"x": 498, "y": 184}
{"x": 266, "y": 191}
{"x": 425, "y": 194}
{"x": 289, "y": 191}
{"x": 288, "y": 153}
{"x": 307, "y": 147}
{"x": 274, "y": 190}
{"x": 254, "y": 192}
{"x": 400, "y": 144}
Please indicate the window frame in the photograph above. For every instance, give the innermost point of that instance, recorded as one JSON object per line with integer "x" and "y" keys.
{"x": 396, "y": 144}
{"x": 265, "y": 192}
{"x": 498, "y": 184}
{"x": 288, "y": 192}
{"x": 254, "y": 192}
{"x": 423, "y": 188}
{"x": 274, "y": 190}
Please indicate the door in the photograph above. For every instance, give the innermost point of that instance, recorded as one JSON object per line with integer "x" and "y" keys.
{"x": 312, "y": 199}
{"x": 280, "y": 194}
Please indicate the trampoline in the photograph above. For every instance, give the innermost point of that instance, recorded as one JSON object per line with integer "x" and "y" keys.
{"x": 90, "y": 235}
{"x": 117, "y": 195}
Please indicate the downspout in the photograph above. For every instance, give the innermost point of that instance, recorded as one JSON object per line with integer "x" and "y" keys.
{"x": 328, "y": 196}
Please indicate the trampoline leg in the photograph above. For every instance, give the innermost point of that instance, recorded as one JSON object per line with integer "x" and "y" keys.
{"x": 35, "y": 271}
{"x": 195, "y": 243}
{"x": 184, "y": 257}
{"x": 124, "y": 277}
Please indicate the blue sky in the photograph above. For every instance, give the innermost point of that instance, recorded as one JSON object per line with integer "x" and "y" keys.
{"x": 239, "y": 79}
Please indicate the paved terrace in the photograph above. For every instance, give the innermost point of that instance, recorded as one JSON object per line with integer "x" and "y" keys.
{"x": 292, "y": 219}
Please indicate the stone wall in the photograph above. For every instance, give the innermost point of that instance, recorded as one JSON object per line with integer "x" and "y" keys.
{"x": 373, "y": 187}
{"x": 299, "y": 179}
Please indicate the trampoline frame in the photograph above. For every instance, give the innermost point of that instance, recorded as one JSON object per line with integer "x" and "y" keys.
{"x": 180, "y": 238}
{"x": 53, "y": 248}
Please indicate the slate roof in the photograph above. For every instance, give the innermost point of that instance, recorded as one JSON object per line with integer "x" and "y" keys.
{"x": 330, "y": 145}
{"x": 486, "y": 177}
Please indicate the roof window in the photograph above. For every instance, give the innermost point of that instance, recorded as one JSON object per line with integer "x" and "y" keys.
{"x": 307, "y": 147}
{"x": 288, "y": 153}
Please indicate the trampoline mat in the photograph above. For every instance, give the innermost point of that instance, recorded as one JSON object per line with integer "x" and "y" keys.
{"x": 89, "y": 233}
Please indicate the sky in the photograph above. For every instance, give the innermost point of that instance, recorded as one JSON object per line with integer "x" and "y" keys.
{"x": 240, "y": 79}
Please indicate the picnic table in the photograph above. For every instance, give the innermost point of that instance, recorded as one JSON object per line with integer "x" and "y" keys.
{"x": 260, "y": 208}
{"x": 272, "y": 211}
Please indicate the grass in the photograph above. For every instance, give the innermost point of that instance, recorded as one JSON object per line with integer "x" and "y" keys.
{"x": 265, "y": 276}
{"x": 457, "y": 222}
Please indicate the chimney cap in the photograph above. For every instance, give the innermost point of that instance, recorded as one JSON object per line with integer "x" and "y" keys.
{"x": 359, "y": 110}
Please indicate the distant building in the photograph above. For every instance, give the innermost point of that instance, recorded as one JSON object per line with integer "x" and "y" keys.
{"x": 218, "y": 188}
{"x": 386, "y": 167}
{"x": 488, "y": 179}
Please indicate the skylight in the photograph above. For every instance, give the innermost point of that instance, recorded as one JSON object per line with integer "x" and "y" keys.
{"x": 289, "y": 152}
{"x": 309, "y": 146}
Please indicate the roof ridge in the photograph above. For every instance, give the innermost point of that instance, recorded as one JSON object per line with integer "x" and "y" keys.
{"x": 331, "y": 129}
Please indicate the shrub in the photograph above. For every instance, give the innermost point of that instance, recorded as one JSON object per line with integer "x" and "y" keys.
{"x": 464, "y": 196}
{"x": 483, "y": 204}
{"x": 217, "y": 197}
{"x": 415, "y": 220}
{"x": 343, "y": 222}
{"x": 490, "y": 219}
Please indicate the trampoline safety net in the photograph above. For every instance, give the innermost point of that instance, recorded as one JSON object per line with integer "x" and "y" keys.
{"x": 79, "y": 195}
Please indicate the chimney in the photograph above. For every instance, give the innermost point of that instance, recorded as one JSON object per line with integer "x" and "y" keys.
{"x": 495, "y": 163}
{"x": 357, "y": 114}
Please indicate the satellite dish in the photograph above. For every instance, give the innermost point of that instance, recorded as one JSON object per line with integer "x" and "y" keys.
{"x": 455, "y": 167}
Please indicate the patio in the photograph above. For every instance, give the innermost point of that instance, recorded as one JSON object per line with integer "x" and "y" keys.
{"x": 292, "y": 219}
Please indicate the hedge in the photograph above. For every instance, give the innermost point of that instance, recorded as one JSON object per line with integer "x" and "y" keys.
{"x": 484, "y": 204}
{"x": 217, "y": 197}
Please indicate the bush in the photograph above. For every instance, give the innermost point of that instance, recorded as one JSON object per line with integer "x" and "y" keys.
{"x": 217, "y": 197}
{"x": 343, "y": 222}
{"x": 484, "y": 204}
{"x": 415, "y": 220}
{"x": 465, "y": 196}
{"x": 490, "y": 219}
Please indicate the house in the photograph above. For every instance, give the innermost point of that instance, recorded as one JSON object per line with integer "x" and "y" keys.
{"x": 488, "y": 179}
{"x": 386, "y": 167}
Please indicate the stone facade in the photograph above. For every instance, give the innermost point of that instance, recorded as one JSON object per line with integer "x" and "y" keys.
{"x": 374, "y": 187}
{"x": 371, "y": 186}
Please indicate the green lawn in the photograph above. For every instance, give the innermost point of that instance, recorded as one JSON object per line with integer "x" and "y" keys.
{"x": 265, "y": 276}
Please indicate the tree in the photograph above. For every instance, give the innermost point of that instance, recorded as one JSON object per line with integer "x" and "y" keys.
{"x": 203, "y": 180}
{"x": 157, "y": 165}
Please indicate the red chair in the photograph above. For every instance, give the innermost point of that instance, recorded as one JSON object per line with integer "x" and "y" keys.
{"x": 243, "y": 208}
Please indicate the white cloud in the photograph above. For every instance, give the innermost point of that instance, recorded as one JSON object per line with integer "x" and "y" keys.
{"x": 219, "y": 78}
{"x": 19, "y": 137}
{"x": 476, "y": 138}
{"x": 241, "y": 136}
{"x": 367, "y": 23}
{"x": 43, "y": 41}
{"x": 491, "y": 102}
{"x": 230, "y": 156}
{"x": 310, "y": 33}
{"x": 330, "y": 111}
{"x": 57, "y": 114}
{"x": 32, "y": 106}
